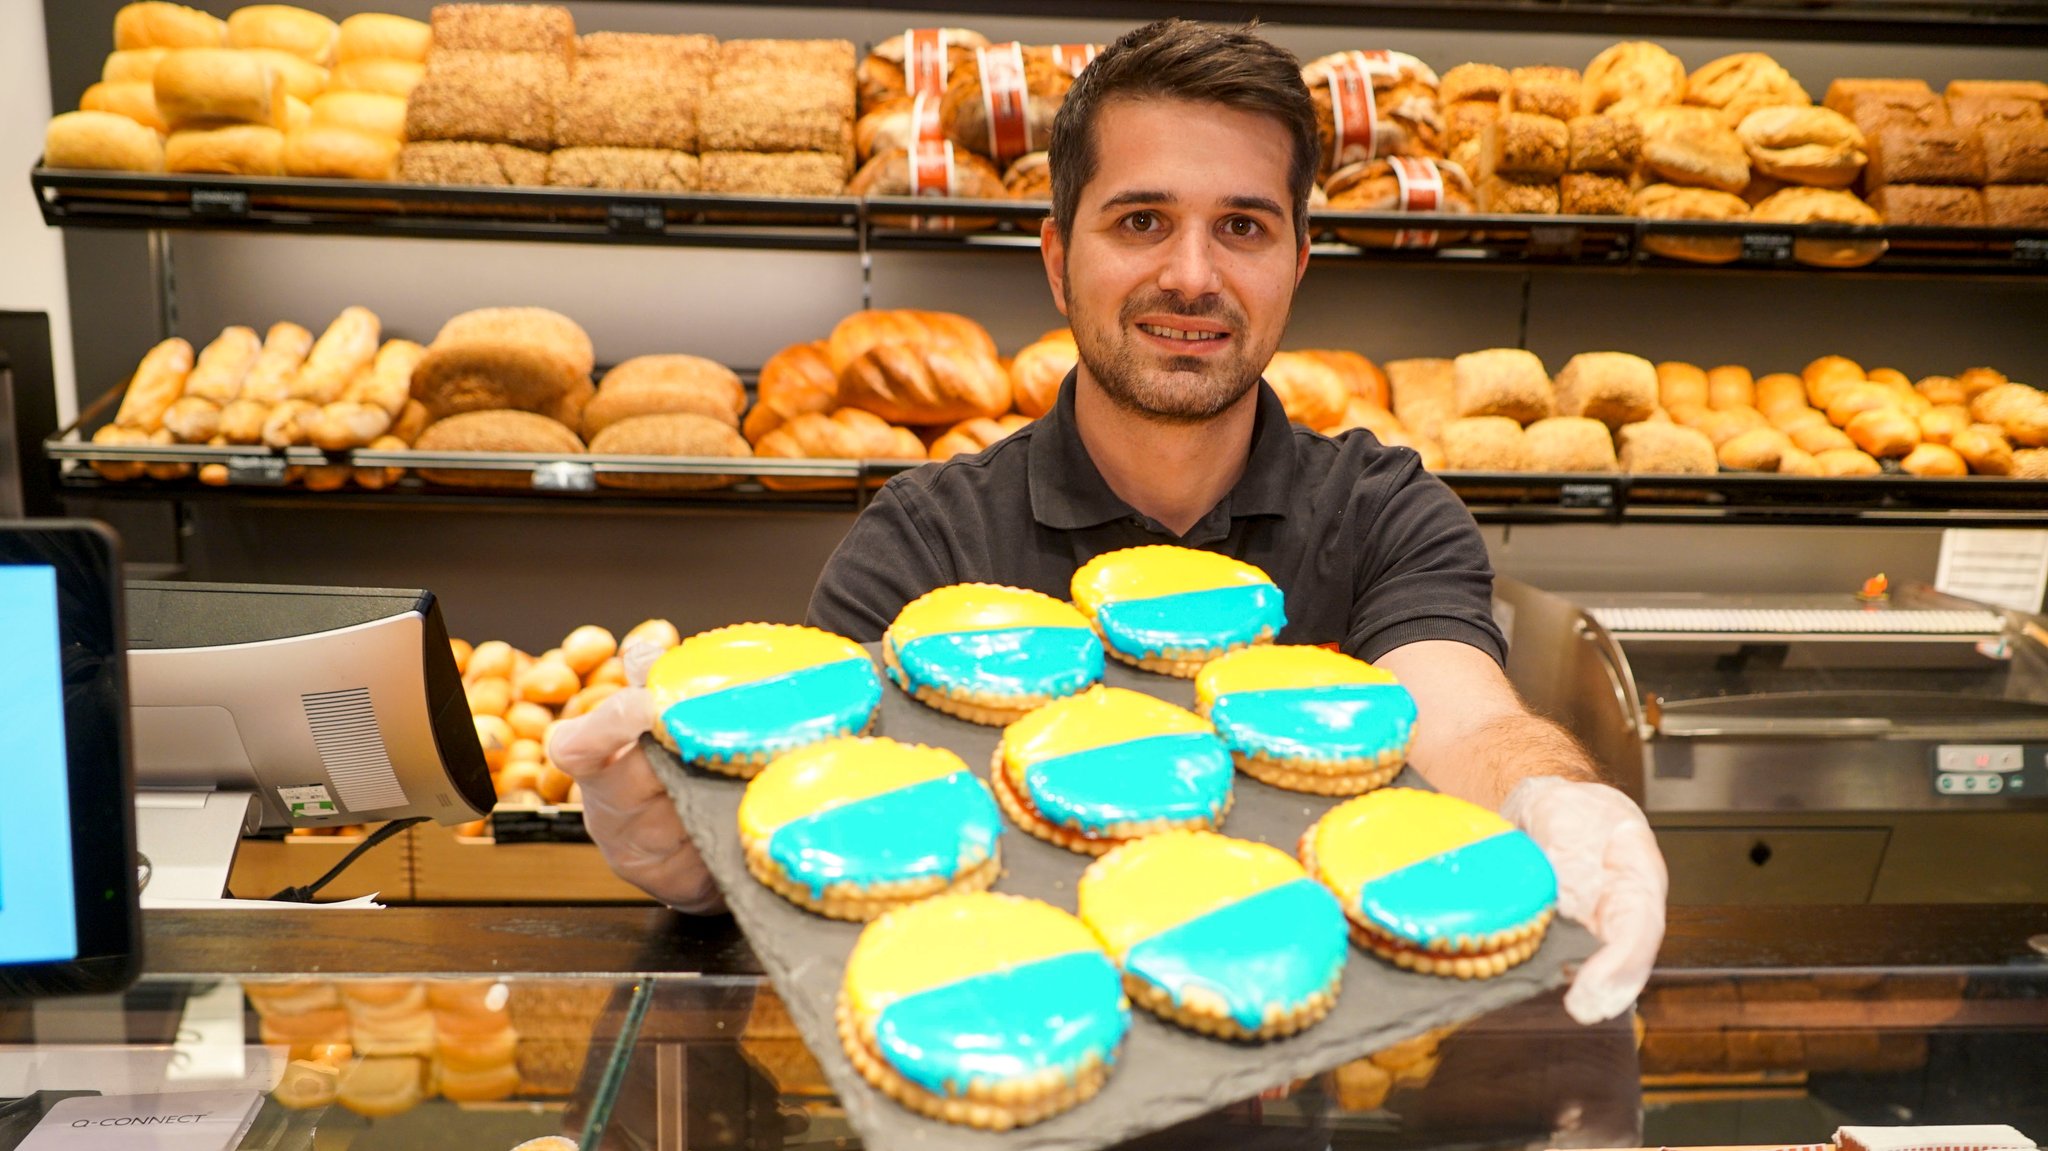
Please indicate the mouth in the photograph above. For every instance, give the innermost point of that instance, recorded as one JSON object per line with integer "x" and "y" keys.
{"x": 1182, "y": 338}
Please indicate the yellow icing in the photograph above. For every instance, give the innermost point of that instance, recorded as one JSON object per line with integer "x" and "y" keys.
{"x": 1386, "y": 830}
{"x": 1163, "y": 881}
{"x": 744, "y": 653}
{"x": 944, "y": 940}
{"x": 1097, "y": 717}
{"x": 980, "y": 607}
{"x": 839, "y": 771}
{"x": 1158, "y": 570}
{"x": 1284, "y": 665}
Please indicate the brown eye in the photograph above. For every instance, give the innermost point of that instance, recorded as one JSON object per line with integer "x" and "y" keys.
{"x": 1242, "y": 227}
{"x": 1140, "y": 221}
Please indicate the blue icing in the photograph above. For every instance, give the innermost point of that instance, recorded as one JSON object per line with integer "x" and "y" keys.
{"x": 1218, "y": 618}
{"x": 1010, "y": 661}
{"x": 1049, "y": 1013}
{"x": 1343, "y": 721}
{"x": 1176, "y": 777}
{"x": 939, "y": 827}
{"x": 1277, "y": 947}
{"x": 1487, "y": 886}
{"x": 777, "y": 714}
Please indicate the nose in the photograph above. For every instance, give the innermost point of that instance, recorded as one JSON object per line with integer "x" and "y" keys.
{"x": 1190, "y": 268}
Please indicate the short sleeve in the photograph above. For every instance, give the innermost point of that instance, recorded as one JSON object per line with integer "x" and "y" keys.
{"x": 885, "y": 561}
{"x": 1423, "y": 574}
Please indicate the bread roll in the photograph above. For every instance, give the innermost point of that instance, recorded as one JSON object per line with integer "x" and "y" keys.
{"x": 306, "y": 35}
{"x": 1727, "y": 423}
{"x": 1739, "y": 84}
{"x": 1544, "y": 90}
{"x": 940, "y": 384}
{"x": 798, "y": 380}
{"x": 1680, "y": 383}
{"x": 1817, "y": 438}
{"x": 346, "y": 424}
{"x": 1851, "y": 400}
{"x": 1934, "y": 460}
{"x": 973, "y": 436}
{"x": 382, "y": 1086}
{"x": 1311, "y": 391}
{"x": 1997, "y": 403}
{"x": 1936, "y": 155}
{"x": 2030, "y": 464}
{"x": 1475, "y": 82}
{"x": 387, "y": 382}
{"x": 1628, "y": 77}
{"x": 1468, "y": 120}
{"x": 1362, "y": 378}
{"x": 1756, "y": 450}
{"x": 492, "y": 97}
{"x": 1984, "y": 448}
{"x": 1485, "y": 444}
{"x": 115, "y": 436}
{"x": 339, "y": 153}
{"x": 157, "y": 383}
{"x": 1506, "y": 382}
{"x": 1781, "y": 390}
{"x": 345, "y": 348}
{"x": 1797, "y": 462}
{"x": 241, "y": 421}
{"x": 207, "y": 86}
{"x": 1615, "y": 388}
{"x": 377, "y": 34}
{"x": 1939, "y": 424}
{"x": 223, "y": 365}
{"x": 1843, "y": 93}
{"x": 1811, "y": 146}
{"x": 158, "y": 25}
{"x": 377, "y": 74}
{"x": 135, "y": 99}
{"x": 1790, "y": 419}
{"x": 1829, "y": 374}
{"x": 650, "y": 385}
{"x": 1570, "y": 444}
{"x": 848, "y": 434}
{"x": 284, "y": 349}
{"x": 1038, "y": 370}
{"x": 1846, "y": 462}
{"x": 373, "y": 113}
{"x": 101, "y": 141}
{"x": 287, "y": 423}
{"x": 667, "y": 434}
{"x": 493, "y": 431}
{"x": 1523, "y": 144}
{"x": 1695, "y": 148}
{"x": 1730, "y": 386}
{"x": 1665, "y": 449}
{"x": 136, "y": 64}
{"x": 1886, "y": 433}
{"x": 545, "y": 28}
{"x": 1423, "y": 393}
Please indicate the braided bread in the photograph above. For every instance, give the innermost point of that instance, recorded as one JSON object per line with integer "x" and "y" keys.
{"x": 940, "y": 384}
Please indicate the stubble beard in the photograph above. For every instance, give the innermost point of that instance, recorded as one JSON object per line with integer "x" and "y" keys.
{"x": 1177, "y": 389}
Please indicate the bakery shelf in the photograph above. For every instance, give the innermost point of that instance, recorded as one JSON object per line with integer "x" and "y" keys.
{"x": 124, "y": 200}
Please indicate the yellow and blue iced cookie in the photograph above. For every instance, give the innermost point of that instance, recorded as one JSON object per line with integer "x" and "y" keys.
{"x": 1171, "y": 609}
{"x": 1433, "y": 883}
{"x": 734, "y": 698}
{"x": 986, "y": 1010}
{"x": 1096, "y": 769}
{"x": 988, "y": 654}
{"x": 1307, "y": 718}
{"x": 850, "y": 828}
{"x": 1222, "y": 936}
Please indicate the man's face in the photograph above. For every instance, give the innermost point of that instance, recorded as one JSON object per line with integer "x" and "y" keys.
{"x": 1183, "y": 259}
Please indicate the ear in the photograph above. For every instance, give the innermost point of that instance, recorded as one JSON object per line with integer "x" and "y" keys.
{"x": 1053, "y": 251}
{"x": 1301, "y": 261}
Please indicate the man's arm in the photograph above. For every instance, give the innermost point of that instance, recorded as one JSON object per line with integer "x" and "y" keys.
{"x": 886, "y": 560}
{"x": 1474, "y": 738}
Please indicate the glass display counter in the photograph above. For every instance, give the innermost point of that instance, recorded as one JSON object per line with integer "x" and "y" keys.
{"x": 1763, "y": 1027}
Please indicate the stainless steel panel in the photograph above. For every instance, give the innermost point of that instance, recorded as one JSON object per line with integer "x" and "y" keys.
{"x": 1772, "y": 864}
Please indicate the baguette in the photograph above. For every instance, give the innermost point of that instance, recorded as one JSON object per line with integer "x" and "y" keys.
{"x": 157, "y": 383}
{"x": 270, "y": 377}
{"x": 345, "y": 348}
{"x": 223, "y": 365}
{"x": 241, "y": 421}
{"x": 285, "y": 425}
{"x": 346, "y": 424}
{"x": 387, "y": 382}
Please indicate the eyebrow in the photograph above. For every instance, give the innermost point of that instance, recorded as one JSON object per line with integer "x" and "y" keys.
{"x": 1147, "y": 196}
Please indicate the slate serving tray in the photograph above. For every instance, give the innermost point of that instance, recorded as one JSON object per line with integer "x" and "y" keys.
{"x": 1165, "y": 1075}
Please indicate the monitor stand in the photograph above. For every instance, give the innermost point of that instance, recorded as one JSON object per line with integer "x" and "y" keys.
{"x": 187, "y": 839}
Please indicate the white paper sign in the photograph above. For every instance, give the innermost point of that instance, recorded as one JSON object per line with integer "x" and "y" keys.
{"x": 1995, "y": 566}
{"x": 188, "y": 1121}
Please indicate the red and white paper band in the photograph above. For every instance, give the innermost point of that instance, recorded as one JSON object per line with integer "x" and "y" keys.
{"x": 931, "y": 168}
{"x": 1353, "y": 113}
{"x": 925, "y": 123}
{"x": 1074, "y": 57}
{"x": 1003, "y": 98}
{"x": 1421, "y": 185}
{"x": 924, "y": 61}
{"x": 1374, "y": 62}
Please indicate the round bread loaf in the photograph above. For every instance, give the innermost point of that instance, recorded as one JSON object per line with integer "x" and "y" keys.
{"x": 1694, "y": 147}
{"x": 647, "y": 385}
{"x": 1822, "y": 205}
{"x": 667, "y": 434}
{"x": 1671, "y": 202}
{"x": 1375, "y": 186}
{"x": 1038, "y": 370}
{"x": 1311, "y": 391}
{"x": 1485, "y": 444}
{"x": 1362, "y": 378}
{"x": 1632, "y": 76}
{"x": 1615, "y": 388}
{"x": 101, "y": 141}
{"x": 1812, "y": 146}
{"x": 1570, "y": 444}
{"x": 1030, "y": 178}
{"x": 493, "y": 431}
{"x": 964, "y": 110}
{"x": 1665, "y": 449}
{"x": 530, "y": 359}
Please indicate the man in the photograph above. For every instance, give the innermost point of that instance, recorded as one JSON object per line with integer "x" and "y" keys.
{"x": 1182, "y": 163}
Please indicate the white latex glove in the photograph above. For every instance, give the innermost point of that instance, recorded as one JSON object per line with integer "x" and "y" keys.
{"x": 1610, "y": 877}
{"x": 625, "y": 808}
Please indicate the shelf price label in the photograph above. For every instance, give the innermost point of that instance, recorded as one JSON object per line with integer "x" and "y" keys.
{"x": 1585, "y": 496}
{"x": 564, "y": 476}
{"x": 634, "y": 218}
{"x": 256, "y": 471}
{"x": 1767, "y": 247}
{"x": 2030, "y": 250}
{"x": 220, "y": 202}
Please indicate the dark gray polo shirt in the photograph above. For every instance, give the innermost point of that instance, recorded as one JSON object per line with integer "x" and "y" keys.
{"x": 1372, "y": 551}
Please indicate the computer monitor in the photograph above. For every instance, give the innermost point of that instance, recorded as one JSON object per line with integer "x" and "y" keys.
{"x": 299, "y": 706}
{"x": 69, "y": 921}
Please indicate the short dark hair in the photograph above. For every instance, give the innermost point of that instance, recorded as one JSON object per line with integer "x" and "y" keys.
{"x": 1182, "y": 60}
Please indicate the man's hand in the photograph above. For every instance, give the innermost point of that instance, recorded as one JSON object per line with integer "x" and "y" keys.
{"x": 625, "y": 808}
{"x": 1610, "y": 877}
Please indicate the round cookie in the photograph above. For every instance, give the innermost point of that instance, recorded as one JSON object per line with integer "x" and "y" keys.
{"x": 1433, "y": 883}
{"x": 1222, "y": 936}
{"x": 989, "y": 654}
{"x": 1109, "y": 765}
{"x": 736, "y": 697}
{"x": 1308, "y": 718}
{"x": 1171, "y": 609}
{"x": 850, "y": 828}
{"x": 987, "y": 1010}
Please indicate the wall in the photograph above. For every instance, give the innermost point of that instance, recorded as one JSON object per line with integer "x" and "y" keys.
{"x": 31, "y": 255}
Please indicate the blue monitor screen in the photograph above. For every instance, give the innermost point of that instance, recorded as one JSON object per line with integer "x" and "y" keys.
{"x": 37, "y": 913}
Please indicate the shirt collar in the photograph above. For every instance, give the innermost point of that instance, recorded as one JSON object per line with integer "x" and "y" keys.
{"x": 1068, "y": 491}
